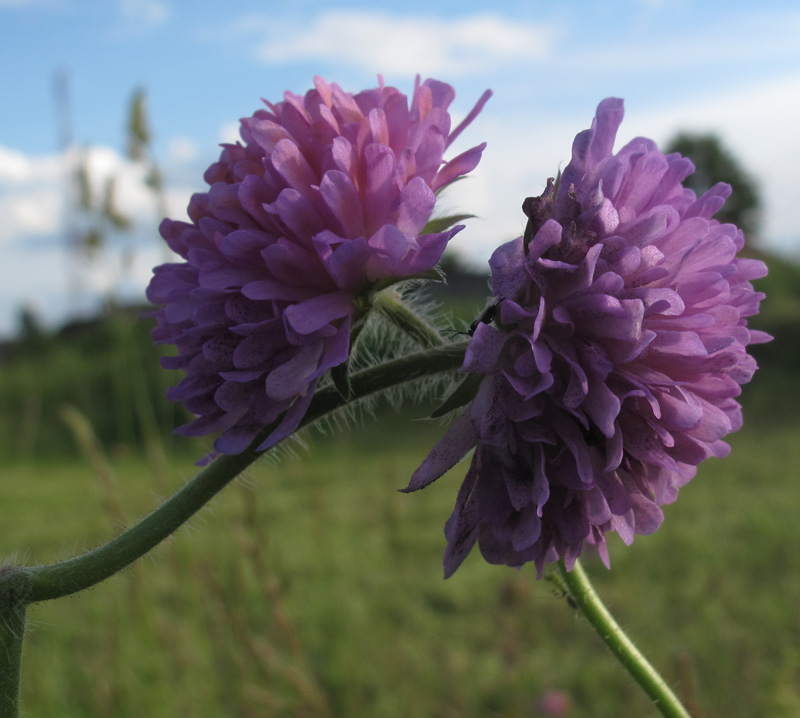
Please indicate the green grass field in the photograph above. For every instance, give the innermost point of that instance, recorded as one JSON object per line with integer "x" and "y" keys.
{"x": 313, "y": 588}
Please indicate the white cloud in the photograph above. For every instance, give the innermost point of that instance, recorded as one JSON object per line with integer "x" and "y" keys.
{"x": 18, "y": 167}
{"x": 229, "y": 134}
{"x": 182, "y": 150}
{"x": 30, "y": 194}
{"x": 38, "y": 269}
{"x": 149, "y": 13}
{"x": 35, "y": 213}
{"x": 756, "y": 123}
{"x": 754, "y": 37}
{"x": 406, "y": 45}
{"x": 520, "y": 155}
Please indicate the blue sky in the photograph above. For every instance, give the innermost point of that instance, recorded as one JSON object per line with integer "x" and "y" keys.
{"x": 732, "y": 68}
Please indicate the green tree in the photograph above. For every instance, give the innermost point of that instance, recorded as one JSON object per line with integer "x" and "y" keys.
{"x": 714, "y": 163}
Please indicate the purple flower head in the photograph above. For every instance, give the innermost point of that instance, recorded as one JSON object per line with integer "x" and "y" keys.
{"x": 614, "y": 368}
{"x": 326, "y": 195}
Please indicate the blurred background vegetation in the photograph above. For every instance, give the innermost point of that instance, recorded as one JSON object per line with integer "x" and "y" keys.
{"x": 312, "y": 588}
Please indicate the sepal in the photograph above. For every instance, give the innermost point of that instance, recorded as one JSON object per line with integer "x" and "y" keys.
{"x": 341, "y": 379}
{"x": 463, "y": 394}
{"x": 442, "y": 224}
{"x": 434, "y": 274}
{"x": 391, "y": 306}
{"x": 340, "y": 374}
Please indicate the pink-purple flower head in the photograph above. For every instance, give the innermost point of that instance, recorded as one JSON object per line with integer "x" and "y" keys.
{"x": 614, "y": 366}
{"x": 326, "y": 195}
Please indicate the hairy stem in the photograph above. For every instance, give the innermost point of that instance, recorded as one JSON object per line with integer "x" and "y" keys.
{"x": 14, "y": 588}
{"x": 621, "y": 646}
{"x": 77, "y": 574}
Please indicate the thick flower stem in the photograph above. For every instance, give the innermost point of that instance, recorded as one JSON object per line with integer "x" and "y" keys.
{"x": 61, "y": 579}
{"x": 621, "y": 646}
{"x": 13, "y": 585}
{"x": 21, "y": 585}
{"x": 392, "y": 307}
{"x": 73, "y": 575}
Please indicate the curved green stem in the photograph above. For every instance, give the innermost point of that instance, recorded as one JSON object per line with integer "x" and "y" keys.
{"x": 76, "y": 574}
{"x": 621, "y": 646}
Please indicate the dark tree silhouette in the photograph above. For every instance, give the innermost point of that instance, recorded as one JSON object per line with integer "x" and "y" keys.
{"x": 714, "y": 163}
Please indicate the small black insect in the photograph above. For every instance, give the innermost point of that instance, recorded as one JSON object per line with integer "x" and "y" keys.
{"x": 485, "y": 317}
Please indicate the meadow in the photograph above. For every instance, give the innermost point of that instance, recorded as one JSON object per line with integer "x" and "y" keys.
{"x": 311, "y": 587}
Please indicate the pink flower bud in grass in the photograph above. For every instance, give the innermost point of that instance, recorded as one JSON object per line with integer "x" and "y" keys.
{"x": 614, "y": 362}
{"x": 325, "y": 195}
{"x": 554, "y": 703}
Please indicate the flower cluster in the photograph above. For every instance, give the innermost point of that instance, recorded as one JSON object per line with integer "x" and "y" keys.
{"x": 614, "y": 366}
{"x": 326, "y": 195}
